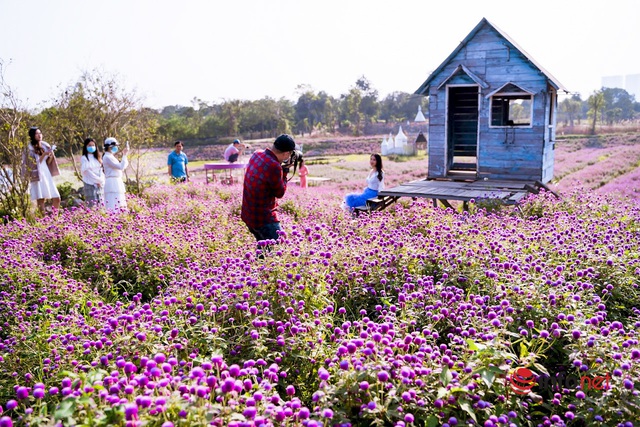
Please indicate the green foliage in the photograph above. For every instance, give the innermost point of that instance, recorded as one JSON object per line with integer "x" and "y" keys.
{"x": 14, "y": 200}
{"x": 290, "y": 208}
{"x": 66, "y": 191}
{"x": 137, "y": 186}
{"x": 487, "y": 205}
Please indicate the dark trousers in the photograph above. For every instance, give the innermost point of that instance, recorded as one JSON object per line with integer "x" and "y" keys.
{"x": 266, "y": 232}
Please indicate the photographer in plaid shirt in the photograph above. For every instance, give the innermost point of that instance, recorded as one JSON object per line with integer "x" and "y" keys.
{"x": 265, "y": 180}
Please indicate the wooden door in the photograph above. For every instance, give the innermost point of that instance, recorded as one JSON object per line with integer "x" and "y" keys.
{"x": 462, "y": 128}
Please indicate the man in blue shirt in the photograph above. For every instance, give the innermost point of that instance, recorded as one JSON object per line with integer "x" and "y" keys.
{"x": 177, "y": 163}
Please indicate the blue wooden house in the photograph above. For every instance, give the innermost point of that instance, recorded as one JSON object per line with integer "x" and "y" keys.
{"x": 492, "y": 111}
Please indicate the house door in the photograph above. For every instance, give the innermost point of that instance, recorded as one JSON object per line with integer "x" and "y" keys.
{"x": 462, "y": 126}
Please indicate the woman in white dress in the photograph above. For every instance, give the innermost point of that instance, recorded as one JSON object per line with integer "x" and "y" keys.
{"x": 43, "y": 168}
{"x": 114, "y": 190}
{"x": 92, "y": 175}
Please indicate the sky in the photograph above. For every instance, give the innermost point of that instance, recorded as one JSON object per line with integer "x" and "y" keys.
{"x": 172, "y": 51}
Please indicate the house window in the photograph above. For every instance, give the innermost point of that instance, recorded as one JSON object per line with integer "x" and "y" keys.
{"x": 511, "y": 109}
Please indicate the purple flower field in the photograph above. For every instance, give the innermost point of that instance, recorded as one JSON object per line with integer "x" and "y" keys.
{"x": 608, "y": 164}
{"x": 164, "y": 316}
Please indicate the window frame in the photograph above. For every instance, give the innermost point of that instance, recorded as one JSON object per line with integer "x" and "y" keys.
{"x": 506, "y": 98}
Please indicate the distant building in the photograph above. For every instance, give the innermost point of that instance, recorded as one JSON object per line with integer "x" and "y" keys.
{"x": 630, "y": 83}
{"x": 398, "y": 145}
{"x": 420, "y": 116}
{"x": 613, "y": 82}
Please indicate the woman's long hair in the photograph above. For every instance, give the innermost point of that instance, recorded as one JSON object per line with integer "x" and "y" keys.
{"x": 378, "y": 158}
{"x": 96, "y": 153}
{"x": 34, "y": 142}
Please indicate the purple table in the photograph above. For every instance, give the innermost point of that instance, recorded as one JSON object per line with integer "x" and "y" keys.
{"x": 228, "y": 179}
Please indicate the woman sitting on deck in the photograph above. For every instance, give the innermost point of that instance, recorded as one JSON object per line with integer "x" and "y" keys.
{"x": 375, "y": 183}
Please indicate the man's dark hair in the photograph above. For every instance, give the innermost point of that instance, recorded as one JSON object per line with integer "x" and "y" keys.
{"x": 284, "y": 143}
{"x": 177, "y": 142}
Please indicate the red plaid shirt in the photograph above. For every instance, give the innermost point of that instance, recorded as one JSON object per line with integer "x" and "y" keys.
{"x": 263, "y": 183}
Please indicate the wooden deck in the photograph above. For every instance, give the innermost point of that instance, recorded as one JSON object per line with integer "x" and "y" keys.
{"x": 508, "y": 192}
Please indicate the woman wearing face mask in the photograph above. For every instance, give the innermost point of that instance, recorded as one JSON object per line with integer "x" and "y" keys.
{"x": 92, "y": 176}
{"x": 42, "y": 166}
{"x": 114, "y": 190}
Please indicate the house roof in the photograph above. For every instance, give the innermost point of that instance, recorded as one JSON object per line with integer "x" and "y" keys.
{"x": 423, "y": 89}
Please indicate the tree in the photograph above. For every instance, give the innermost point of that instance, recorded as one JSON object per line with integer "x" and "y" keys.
{"x": 305, "y": 116}
{"x": 402, "y": 106}
{"x": 571, "y": 108}
{"x": 596, "y": 104}
{"x": 14, "y": 201}
{"x": 231, "y": 116}
{"x": 618, "y": 104}
{"x": 98, "y": 106}
{"x": 369, "y": 106}
{"x": 325, "y": 107}
{"x": 351, "y": 109}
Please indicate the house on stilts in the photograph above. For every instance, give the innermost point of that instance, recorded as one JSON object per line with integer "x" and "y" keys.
{"x": 492, "y": 123}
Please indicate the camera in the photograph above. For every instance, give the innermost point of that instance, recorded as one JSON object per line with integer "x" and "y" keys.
{"x": 293, "y": 161}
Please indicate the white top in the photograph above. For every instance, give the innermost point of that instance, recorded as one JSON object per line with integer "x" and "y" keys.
{"x": 229, "y": 151}
{"x": 373, "y": 182}
{"x": 91, "y": 170}
{"x": 45, "y": 188}
{"x": 112, "y": 167}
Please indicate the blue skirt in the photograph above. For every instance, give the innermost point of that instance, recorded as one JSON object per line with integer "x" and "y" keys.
{"x": 359, "y": 199}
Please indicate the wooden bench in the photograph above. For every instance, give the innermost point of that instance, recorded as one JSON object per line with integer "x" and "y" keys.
{"x": 375, "y": 204}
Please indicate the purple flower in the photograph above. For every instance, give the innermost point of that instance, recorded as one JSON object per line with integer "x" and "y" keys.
{"x": 131, "y": 412}
{"x": 303, "y": 413}
{"x": 6, "y": 422}
{"x": 250, "y": 412}
{"x": 327, "y": 413}
{"x": 323, "y": 374}
{"x": 383, "y": 376}
{"x": 22, "y": 393}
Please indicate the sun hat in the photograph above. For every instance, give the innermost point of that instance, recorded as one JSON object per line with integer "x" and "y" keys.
{"x": 110, "y": 141}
